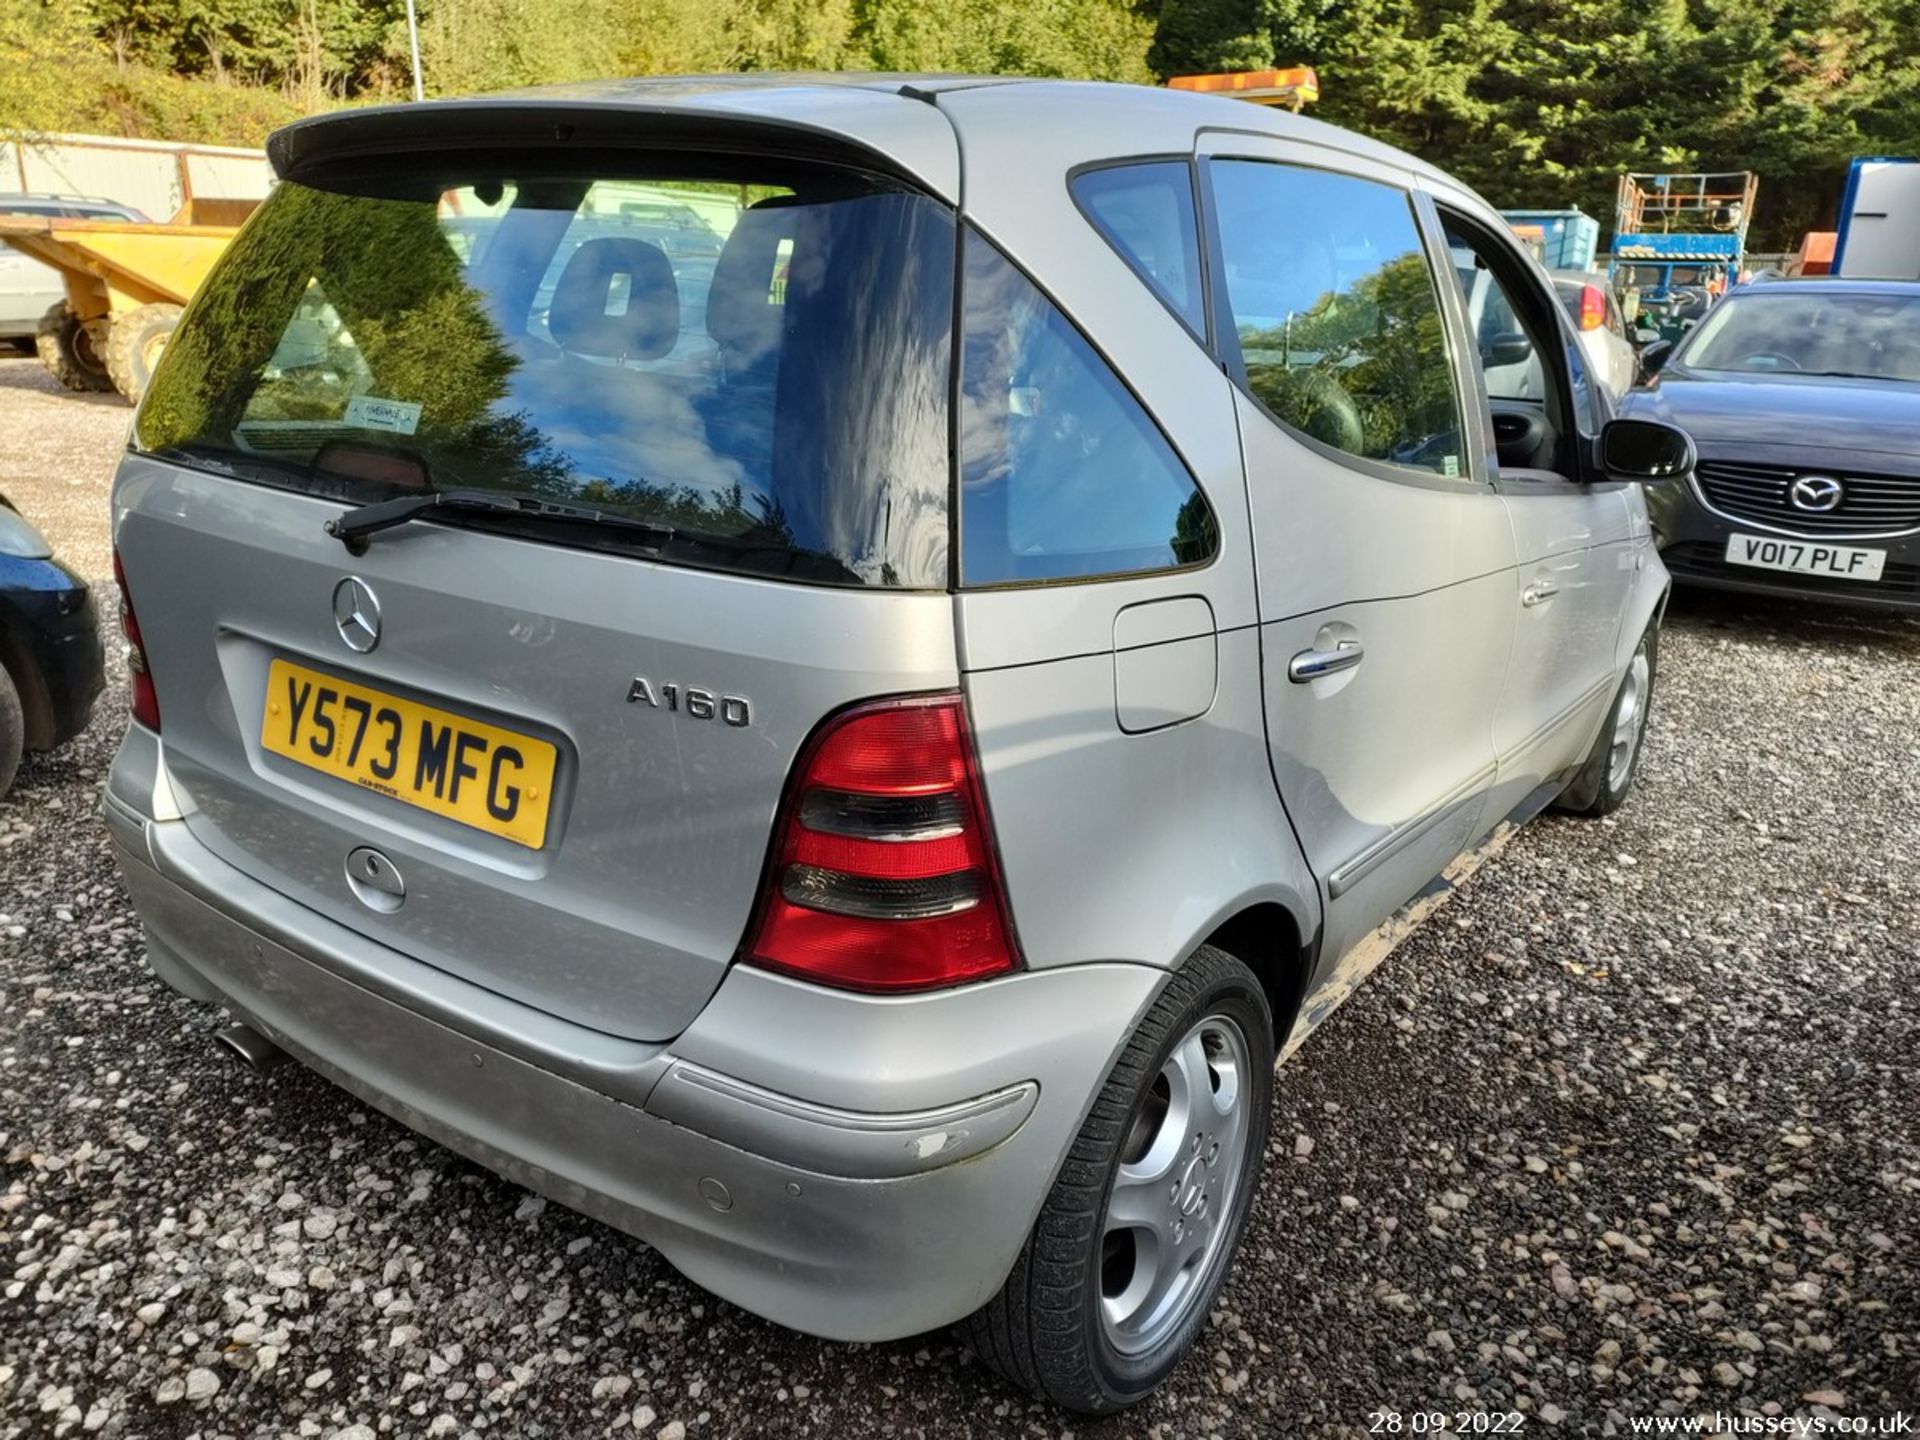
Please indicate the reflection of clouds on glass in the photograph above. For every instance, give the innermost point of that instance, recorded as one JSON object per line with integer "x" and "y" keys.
{"x": 903, "y": 431}
{"x": 1001, "y": 307}
{"x": 1063, "y": 473}
{"x": 1873, "y": 335}
{"x": 863, "y": 271}
{"x": 610, "y": 422}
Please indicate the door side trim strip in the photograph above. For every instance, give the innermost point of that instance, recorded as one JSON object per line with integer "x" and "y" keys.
{"x": 1586, "y": 698}
{"x": 1368, "y": 860}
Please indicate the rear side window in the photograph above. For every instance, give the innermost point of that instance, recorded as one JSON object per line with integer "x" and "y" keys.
{"x": 1145, "y": 211}
{"x": 1336, "y": 310}
{"x": 1063, "y": 475}
{"x": 754, "y": 355}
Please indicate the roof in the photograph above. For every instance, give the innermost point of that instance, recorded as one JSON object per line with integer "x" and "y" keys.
{"x": 888, "y": 113}
{"x": 655, "y": 89}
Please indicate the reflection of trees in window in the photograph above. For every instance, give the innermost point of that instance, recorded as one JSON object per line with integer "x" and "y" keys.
{"x": 1196, "y": 534}
{"x": 396, "y": 286}
{"x": 729, "y": 512}
{"x": 1365, "y": 369}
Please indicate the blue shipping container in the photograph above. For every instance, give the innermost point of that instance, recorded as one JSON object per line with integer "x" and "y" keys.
{"x": 1572, "y": 236}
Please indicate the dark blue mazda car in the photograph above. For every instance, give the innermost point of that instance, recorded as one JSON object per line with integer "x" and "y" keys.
{"x": 1803, "y": 397}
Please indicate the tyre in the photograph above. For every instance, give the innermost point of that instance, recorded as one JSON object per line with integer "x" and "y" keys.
{"x": 1130, "y": 1249}
{"x": 13, "y": 731}
{"x": 1602, "y": 785}
{"x": 67, "y": 350}
{"x": 134, "y": 345}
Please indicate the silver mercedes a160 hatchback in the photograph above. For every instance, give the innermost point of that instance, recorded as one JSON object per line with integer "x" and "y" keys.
{"x": 827, "y": 669}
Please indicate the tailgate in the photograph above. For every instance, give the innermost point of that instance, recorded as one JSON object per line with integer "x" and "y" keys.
{"x": 625, "y": 906}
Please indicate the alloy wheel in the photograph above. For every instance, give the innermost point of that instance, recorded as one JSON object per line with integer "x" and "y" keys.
{"x": 1169, "y": 1215}
{"x": 1629, "y": 721}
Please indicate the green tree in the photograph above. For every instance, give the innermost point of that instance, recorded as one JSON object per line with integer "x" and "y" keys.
{"x": 41, "y": 44}
{"x": 475, "y": 45}
{"x": 796, "y": 35}
{"x": 1080, "y": 39}
{"x": 308, "y": 49}
{"x": 1543, "y": 103}
{"x": 1206, "y": 37}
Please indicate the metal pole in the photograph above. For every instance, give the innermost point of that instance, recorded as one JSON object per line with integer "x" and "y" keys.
{"x": 413, "y": 40}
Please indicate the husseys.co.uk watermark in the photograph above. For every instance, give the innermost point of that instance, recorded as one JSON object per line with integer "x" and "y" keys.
{"x": 1901, "y": 1422}
{"x": 1513, "y": 1422}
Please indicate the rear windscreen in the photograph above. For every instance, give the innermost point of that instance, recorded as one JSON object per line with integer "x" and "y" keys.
{"x": 755, "y": 360}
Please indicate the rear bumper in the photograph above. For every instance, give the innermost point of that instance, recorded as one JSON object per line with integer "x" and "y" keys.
{"x": 852, "y": 1167}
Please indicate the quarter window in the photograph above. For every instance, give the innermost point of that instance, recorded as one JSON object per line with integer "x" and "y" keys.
{"x": 1336, "y": 311}
{"x": 1145, "y": 211}
{"x": 1062, "y": 474}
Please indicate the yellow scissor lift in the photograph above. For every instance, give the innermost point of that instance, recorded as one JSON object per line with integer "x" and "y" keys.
{"x": 126, "y": 281}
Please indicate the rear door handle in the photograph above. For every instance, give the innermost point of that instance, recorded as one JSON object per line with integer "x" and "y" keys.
{"x": 1539, "y": 592}
{"x": 1313, "y": 664}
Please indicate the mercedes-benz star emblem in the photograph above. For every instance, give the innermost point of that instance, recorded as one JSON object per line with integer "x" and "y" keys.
{"x": 1818, "y": 493}
{"x": 356, "y": 614}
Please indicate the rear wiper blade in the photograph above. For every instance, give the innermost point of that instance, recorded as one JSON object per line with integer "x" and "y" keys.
{"x": 353, "y": 527}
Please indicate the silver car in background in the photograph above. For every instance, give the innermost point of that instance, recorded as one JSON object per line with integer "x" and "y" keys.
{"x": 844, "y": 739}
{"x": 1595, "y": 313}
{"x": 29, "y": 288}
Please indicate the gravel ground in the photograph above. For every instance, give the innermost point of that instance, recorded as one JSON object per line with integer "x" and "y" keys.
{"x": 1630, "y": 1128}
{"x": 57, "y": 453}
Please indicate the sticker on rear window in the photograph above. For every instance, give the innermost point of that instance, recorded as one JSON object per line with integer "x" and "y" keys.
{"x": 370, "y": 412}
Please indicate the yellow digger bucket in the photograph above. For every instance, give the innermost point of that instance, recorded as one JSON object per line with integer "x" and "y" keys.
{"x": 126, "y": 283}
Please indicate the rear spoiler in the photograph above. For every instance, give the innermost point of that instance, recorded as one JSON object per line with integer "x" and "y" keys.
{"x": 879, "y": 132}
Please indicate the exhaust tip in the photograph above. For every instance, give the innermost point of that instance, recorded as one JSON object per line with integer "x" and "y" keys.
{"x": 251, "y": 1048}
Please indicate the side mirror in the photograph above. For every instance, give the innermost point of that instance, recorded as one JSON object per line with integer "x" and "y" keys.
{"x": 1645, "y": 336}
{"x": 1509, "y": 347}
{"x": 1645, "y": 450}
{"x": 1654, "y": 354}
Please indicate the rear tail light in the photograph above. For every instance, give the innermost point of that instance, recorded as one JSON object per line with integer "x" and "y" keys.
{"x": 146, "y": 705}
{"x": 884, "y": 875}
{"x": 1593, "y": 307}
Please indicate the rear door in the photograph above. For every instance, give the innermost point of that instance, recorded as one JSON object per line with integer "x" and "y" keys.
{"x": 544, "y": 757}
{"x": 1384, "y": 556}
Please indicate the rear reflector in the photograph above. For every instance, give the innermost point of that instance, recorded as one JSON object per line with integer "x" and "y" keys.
{"x": 1593, "y": 307}
{"x": 884, "y": 876}
{"x": 145, "y": 703}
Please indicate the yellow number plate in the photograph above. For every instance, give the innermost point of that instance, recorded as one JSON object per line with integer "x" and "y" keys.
{"x": 492, "y": 779}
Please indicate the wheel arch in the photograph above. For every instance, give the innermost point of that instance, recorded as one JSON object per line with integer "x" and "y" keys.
{"x": 1646, "y": 606}
{"x": 36, "y": 705}
{"x": 1267, "y": 937}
